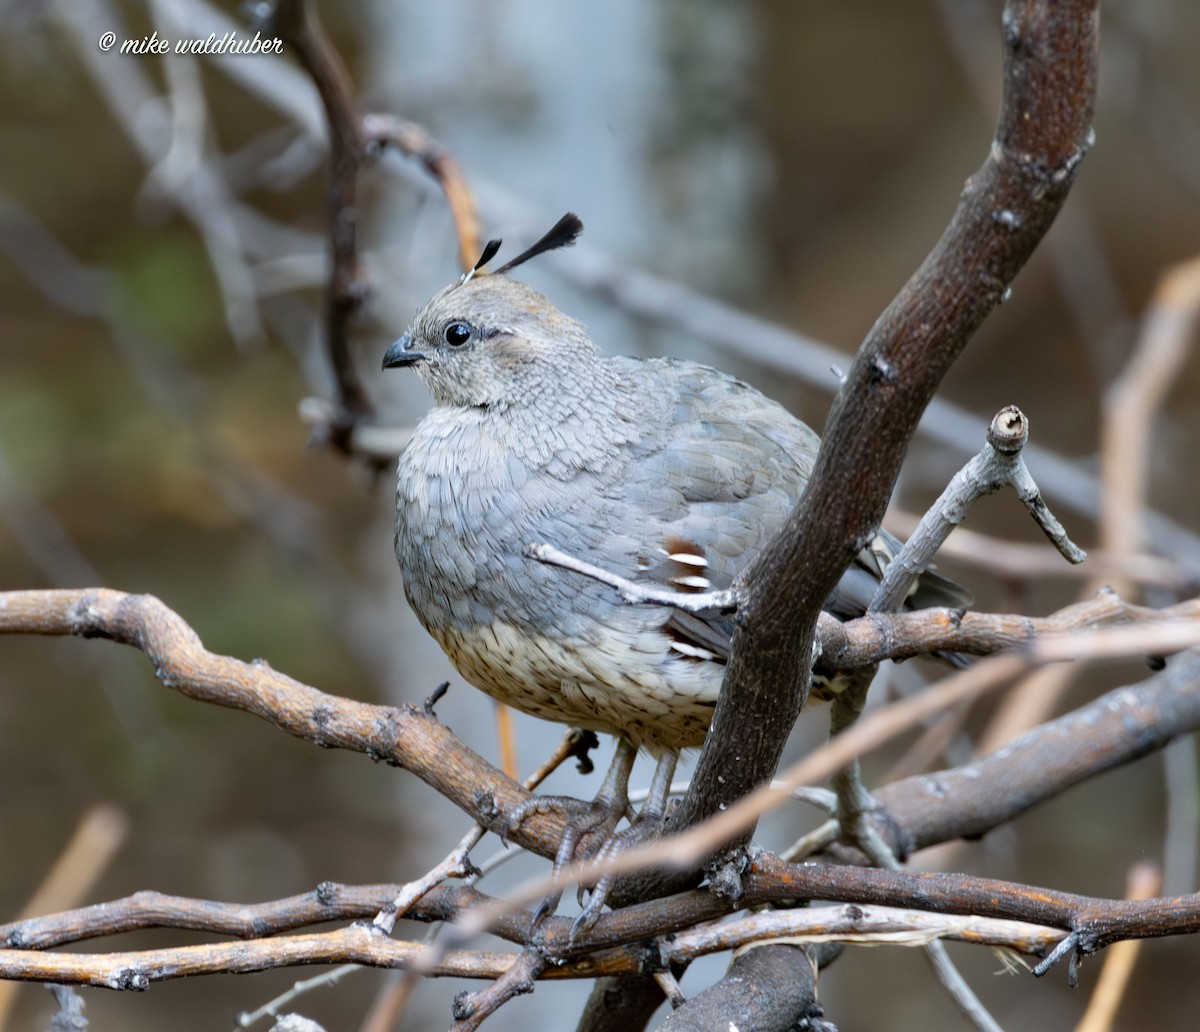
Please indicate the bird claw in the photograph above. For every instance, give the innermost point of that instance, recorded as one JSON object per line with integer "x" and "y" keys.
{"x": 585, "y": 920}
{"x": 544, "y": 909}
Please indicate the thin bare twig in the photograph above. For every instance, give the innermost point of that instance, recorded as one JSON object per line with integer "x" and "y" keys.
{"x": 1133, "y": 400}
{"x": 85, "y": 858}
{"x": 297, "y": 25}
{"x": 845, "y": 923}
{"x": 382, "y": 131}
{"x": 357, "y": 943}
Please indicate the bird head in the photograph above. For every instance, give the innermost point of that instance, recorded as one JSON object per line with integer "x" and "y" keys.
{"x": 492, "y": 341}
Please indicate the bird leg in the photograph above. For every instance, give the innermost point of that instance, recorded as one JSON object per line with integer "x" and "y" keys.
{"x": 647, "y": 826}
{"x": 586, "y": 820}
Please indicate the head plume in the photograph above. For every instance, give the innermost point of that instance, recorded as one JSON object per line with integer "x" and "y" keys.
{"x": 562, "y": 234}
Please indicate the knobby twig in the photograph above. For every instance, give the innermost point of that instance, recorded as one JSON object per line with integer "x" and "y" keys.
{"x": 878, "y": 636}
{"x": 847, "y": 922}
{"x": 998, "y": 465}
{"x": 472, "y": 1009}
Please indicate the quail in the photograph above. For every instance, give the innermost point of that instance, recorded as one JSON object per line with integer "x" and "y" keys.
{"x": 663, "y": 471}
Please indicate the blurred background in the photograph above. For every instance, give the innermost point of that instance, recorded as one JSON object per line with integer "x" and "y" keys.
{"x": 161, "y": 262}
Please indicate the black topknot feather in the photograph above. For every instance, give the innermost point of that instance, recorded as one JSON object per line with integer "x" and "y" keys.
{"x": 562, "y": 234}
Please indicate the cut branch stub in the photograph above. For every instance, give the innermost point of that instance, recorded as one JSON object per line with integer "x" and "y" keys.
{"x": 1009, "y": 430}
{"x": 998, "y": 464}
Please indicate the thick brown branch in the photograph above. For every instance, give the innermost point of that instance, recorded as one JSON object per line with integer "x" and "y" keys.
{"x": 405, "y": 736}
{"x": 1005, "y": 209}
{"x": 1117, "y": 728}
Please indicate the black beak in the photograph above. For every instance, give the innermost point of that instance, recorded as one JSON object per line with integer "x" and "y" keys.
{"x": 401, "y": 353}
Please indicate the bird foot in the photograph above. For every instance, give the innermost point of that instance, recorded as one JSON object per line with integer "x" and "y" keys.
{"x": 590, "y": 827}
{"x": 646, "y": 828}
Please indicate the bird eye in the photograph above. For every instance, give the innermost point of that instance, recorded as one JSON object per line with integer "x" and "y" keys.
{"x": 456, "y": 334}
